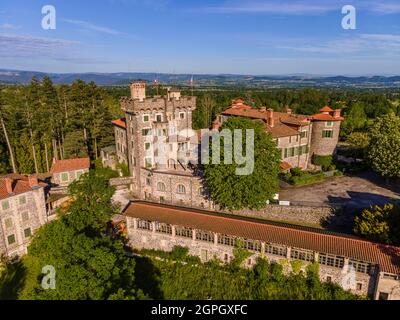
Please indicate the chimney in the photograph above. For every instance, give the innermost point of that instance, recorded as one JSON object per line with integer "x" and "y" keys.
{"x": 33, "y": 181}
{"x": 289, "y": 111}
{"x": 270, "y": 115}
{"x": 8, "y": 183}
{"x": 138, "y": 90}
{"x": 336, "y": 113}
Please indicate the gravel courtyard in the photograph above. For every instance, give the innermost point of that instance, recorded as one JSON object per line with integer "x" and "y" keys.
{"x": 358, "y": 191}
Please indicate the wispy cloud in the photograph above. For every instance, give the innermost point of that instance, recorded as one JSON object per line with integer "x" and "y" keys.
{"x": 93, "y": 27}
{"x": 364, "y": 43}
{"x": 299, "y": 7}
{"x": 29, "y": 46}
{"x": 9, "y": 26}
{"x": 385, "y": 8}
{"x": 293, "y": 7}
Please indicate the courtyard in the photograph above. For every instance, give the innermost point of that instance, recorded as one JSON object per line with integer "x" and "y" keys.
{"x": 350, "y": 192}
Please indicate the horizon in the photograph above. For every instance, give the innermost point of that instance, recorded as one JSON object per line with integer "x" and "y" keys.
{"x": 251, "y": 37}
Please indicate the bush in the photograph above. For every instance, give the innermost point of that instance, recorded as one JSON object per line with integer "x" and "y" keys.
{"x": 322, "y": 161}
{"x": 307, "y": 179}
{"x": 297, "y": 172}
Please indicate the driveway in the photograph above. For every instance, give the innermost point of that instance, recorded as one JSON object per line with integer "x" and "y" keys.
{"x": 358, "y": 191}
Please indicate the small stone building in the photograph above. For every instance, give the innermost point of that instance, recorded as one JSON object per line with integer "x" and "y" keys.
{"x": 22, "y": 212}
{"x": 363, "y": 267}
{"x": 67, "y": 171}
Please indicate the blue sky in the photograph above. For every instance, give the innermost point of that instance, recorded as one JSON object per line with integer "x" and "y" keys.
{"x": 184, "y": 36}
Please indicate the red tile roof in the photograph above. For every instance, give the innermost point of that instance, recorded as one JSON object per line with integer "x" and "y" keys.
{"x": 282, "y": 121}
{"x": 70, "y": 165}
{"x": 120, "y": 122}
{"x": 325, "y": 117}
{"x": 326, "y": 109}
{"x": 19, "y": 184}
{"x": 387, "y": 257}
{"x": 285, "y": 166}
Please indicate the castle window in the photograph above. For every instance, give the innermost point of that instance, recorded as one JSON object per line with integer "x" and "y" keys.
{"x": 303, "y": 134}
{"x": 275, "y": 250}
{"x": 252, "y": 245}
{"x": 146, "y": 132}
{"x": 330, "y": 260}
{"x": 383, "y": 296}
{"x": 25, "y": 216}
{"x": 144, "y": 225}
{"x": 5, "y": 205}
{"x": 359, "y": 266}
{"x": 11, "y": 239}
{"x": 329, "y": 279}
{"x": 146, "y": 118}
{"x": 148, "y": 162}
{"x": 200, "y": 191}
{"x": 226, "y": 240}
{"x": 22, "y": 199}
{"x": 64, "y": 177}
{"x": 159, "y": 117}
{"x": 181, "y": 189}
{"x": 301, "y": 255}
{"x": 148, "y": 181}
{"x": 147, "y": 146}
{"x": 327, "y": 134}
{"x": 181, "y": 115}
{"x": 163, "y": 228}
{"x": 329, "y": 124}
{"x": 161, "y": 186}
{"x": 27, "y": 232}
{"x": 359, "y": 286}
{"x": 184, "y": 232}
{"x": 8, "y": 223}
{"x": 207, "y": 236}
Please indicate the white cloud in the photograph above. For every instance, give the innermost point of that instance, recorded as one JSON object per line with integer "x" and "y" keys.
{"x": 92, "y": 27}
{"x": 12, "y": 45}
{"x": 9, "y": 26}
{"x": 386, "y": 8}
{"x": 371, "y": 44}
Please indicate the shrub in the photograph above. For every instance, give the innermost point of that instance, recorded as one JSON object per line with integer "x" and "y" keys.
{"x": 307, "y": 179}
{"x": 322, "y": 161}
{"x": 297, "y": 172}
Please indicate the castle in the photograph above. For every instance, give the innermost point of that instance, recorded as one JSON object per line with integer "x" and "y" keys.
{"x": 166, "y": 180}
{"x": 155, "y": 139}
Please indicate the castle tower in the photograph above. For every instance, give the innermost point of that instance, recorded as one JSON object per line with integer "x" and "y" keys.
{"x": 325, "y": 131}
{"x": 138, "y": 90}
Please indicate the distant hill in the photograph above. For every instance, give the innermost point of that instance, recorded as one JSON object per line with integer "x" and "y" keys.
{"x": 124, "y": 78}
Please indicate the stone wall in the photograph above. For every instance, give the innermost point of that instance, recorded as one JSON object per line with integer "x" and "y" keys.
{"x": 360, "y": 283}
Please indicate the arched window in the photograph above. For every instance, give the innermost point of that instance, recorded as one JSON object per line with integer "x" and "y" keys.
{"x": 161, "y": 186}
{"x": 181, "y": 189}
{"x": 172, "y": 164}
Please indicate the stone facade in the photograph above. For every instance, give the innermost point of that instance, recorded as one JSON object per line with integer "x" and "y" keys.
{"x": 153, "y": 235}
{"x": 160, "y": 144}
{"x": 64, "y": 179}
{"x": 21, "y": 214}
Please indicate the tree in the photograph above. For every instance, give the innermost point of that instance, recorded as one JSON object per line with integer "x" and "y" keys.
{"x": 355, "y": 120}
{"x": 384, "y": 149}
{"x": 380, "y": 224}
{"x": 358, "y": 144}
{"x": 234, "y": 191}
{"x": 88, "y": 263}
